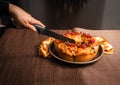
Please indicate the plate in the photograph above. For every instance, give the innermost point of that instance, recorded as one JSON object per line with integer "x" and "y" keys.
{"x": 98, "y": 56}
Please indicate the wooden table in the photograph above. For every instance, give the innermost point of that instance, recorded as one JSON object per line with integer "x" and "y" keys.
{"x": 20, "y": 63}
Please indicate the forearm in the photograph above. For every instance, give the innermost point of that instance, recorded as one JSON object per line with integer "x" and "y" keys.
{"x": 19, "y": 15}
{"x": 4, "y": 8}
{"x": 15, "y": 10}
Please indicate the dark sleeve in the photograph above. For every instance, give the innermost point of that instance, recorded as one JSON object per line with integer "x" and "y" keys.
{"x": 4, "y": 8}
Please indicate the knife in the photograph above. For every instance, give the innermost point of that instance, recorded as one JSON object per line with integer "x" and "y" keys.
{"x": 47, "y": 32}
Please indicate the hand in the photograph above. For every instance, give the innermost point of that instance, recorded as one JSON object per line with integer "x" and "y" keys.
{"x": 23, "y": 18}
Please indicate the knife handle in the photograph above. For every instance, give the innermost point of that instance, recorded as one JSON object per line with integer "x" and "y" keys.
{"x": 39, "y": 28}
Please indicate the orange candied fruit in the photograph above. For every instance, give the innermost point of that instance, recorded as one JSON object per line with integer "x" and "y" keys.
{"x": 58, "y": 41}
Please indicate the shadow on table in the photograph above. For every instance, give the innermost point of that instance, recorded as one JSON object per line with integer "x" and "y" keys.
{"x": 70, "y": 65}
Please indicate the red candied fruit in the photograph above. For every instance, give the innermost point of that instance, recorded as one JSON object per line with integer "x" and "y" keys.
{"x": 92, "y": 41}
{"x": 65, "y": 33}
{"x": 72, "y": 44}
{"x": 83, "y": 46}
{"x": 88, "y": 35}
{"x": 74, "y": 33}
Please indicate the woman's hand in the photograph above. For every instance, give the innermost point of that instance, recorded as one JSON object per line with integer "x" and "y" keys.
{"x": 23, "y": 18}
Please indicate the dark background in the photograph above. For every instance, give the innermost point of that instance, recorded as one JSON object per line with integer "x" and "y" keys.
{"x": 66, "y": 14}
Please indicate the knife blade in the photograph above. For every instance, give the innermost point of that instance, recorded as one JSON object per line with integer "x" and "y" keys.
{"x": 47, "y": 32}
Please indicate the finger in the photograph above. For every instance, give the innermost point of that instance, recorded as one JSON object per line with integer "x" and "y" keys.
{"x": 32, "y": 27}
{"x": 40, "y": 23}
{"x": 28, "y": 25}
{"x": 37, "y": 22}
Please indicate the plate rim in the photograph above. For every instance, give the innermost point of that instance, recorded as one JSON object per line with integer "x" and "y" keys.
{"x": 86, "y": 62}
